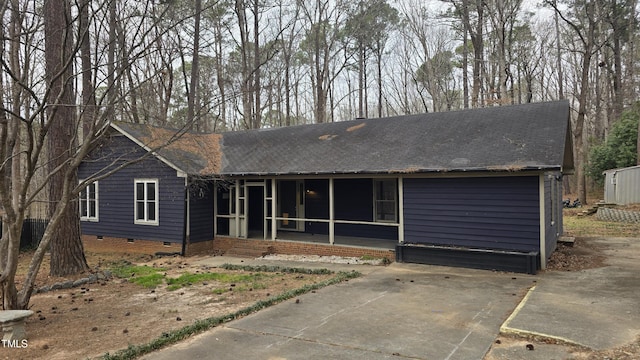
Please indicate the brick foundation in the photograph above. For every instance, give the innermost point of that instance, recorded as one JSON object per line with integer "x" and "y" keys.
{"x": 200, "y": 248}
{"x": 120, "y": 245}
{"x": 221, "y": 245}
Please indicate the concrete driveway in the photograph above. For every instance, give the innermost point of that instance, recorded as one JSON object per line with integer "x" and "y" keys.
{"x": 429, "y": 312}
{"x": 400, "y": 311}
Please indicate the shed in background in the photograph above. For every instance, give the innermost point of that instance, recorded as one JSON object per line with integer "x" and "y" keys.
{"x": 622, "y": 186}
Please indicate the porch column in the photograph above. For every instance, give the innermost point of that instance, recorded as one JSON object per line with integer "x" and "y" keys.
{"x": 215, "y": 208}
{"x": 400, "y": 210}
{"x": 331, "y": 213}
{"x": 543, "y": 223}
{"x": 274, "y": 199}
{"x": 237, "y": 201}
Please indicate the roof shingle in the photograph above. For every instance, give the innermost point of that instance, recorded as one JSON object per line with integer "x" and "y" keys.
{"x": 508, "y": 138}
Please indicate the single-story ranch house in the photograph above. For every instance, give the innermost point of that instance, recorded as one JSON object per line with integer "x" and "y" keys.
{"x": 477, "y": 188}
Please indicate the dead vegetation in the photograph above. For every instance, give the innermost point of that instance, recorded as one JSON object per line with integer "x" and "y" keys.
{"x": 109, "y": 315}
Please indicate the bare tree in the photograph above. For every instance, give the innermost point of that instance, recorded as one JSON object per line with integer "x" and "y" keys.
{"x": 67, "y": 253}
{"x": 583, "y": 22}
{"x": 558, "y": 56}
{"x": 249, "y": 72}
{"x": 321, "y": 50}
{"x": 45, "y": 100}
{"x": 471, "y": 13}
{"x": 195, "y": 62}
{"x": 433, "y": 68}
{"x": 503, "y": 16}
{"x": 217, "y": 16}
{"x": 368, "y": 28}
{"x": 288, "y": 38}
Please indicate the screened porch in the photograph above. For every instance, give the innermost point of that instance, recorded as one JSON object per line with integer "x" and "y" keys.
{"x": 338, "y": 211}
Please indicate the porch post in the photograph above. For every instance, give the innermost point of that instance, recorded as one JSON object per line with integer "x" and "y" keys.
{"x": 543, "y": 223}
{"x": 274, "y": 199}
{"x": 237, "y": 201}
{"x": 400, "y": 210}
{"x": 331, "y": 213}
{"x": 215, "y": 208}
{"x": 265, "y": 225}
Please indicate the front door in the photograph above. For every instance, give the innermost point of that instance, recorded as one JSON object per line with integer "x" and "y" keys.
{"x": 291, "y": 204}
{"x": 255, "y": 210}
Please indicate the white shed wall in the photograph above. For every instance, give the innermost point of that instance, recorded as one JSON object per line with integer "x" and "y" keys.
{"x": 622, "y": 186}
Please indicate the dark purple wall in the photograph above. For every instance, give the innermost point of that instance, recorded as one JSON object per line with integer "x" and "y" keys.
{"x": 488, "y": 213}
{"x": 115, "y": 194}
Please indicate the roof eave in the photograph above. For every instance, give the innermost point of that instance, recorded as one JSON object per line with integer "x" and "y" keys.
{"x": 506, "y": 169}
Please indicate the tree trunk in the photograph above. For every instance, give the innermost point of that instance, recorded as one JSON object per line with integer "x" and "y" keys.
{"x": 12, "y": 217}
{"x": 12, "y": 223}
{"x": 465, "y": 65}
{"x": 287, "y": 86}
{"x": 618, "y": 33}
{"x": 360, "y": 81}
{"x": 57, "y": 217}
{"x": 67, "y": 253}
{"x": 247, "y": 74}
{"x": 559, "y": 59}
{"x": 220, "y": 72}
{"x": 582, "y": 110}
{"x": 195, "y": 64}
{"x": 630, "y": 69}
{"x": 379, "y": 61}
{"x": 477, "y": 41}
{"x": 257, "y": 58}
{"x": 111, "y": 63}
{"x": 87, "y": 113}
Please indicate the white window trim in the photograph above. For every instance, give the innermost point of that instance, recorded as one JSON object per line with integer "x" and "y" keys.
{"x": 88, "y": 217}
{"x": 145, "y": 221}
{"x": 376, "y": 201}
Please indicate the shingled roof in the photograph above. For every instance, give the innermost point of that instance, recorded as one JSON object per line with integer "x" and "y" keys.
{"x": 507, "y": 138}
{"x": 191, "y": 153}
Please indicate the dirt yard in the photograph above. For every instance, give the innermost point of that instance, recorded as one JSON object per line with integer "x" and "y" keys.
{"x": 108, "y": 315}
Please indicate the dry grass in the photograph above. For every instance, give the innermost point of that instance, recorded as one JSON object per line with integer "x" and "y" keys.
{"x": 586, "y": 226}
{"x": 109, "y": 315}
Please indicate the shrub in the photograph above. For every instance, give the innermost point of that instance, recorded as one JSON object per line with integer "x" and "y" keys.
{"x": 620, "y": 149}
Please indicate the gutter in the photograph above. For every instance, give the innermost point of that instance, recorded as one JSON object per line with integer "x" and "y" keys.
{"x": 453, "y": 171}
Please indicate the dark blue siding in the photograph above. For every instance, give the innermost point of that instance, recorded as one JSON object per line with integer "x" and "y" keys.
{"x": 499, "y": 213}
{"x": 115, "y": 194}
{"x": 201, "y": 212}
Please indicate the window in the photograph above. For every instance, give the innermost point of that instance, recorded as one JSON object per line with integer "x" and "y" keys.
{"x": 89, "y": 202}
{"x": 146, "y": 202}
{"x": 385, "y": 200}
